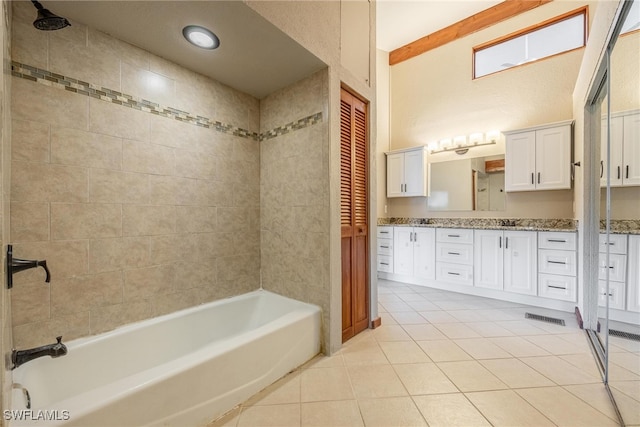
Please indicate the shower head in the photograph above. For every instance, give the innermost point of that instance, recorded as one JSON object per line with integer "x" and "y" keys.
{"x": 48, "y": 21}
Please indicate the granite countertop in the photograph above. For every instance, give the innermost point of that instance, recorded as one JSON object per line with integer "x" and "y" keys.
{"x": 519, "y": 224}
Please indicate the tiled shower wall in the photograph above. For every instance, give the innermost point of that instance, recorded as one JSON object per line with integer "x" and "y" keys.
{"x": 140, "y": 208}
{"x": 294, "y": 195}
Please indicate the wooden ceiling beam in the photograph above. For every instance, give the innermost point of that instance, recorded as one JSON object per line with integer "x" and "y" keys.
{"x": 479, "y": 21}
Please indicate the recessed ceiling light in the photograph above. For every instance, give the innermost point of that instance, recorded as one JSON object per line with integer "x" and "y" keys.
{"x": 201, "y": 37}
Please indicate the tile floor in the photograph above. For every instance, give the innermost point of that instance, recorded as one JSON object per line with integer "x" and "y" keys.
{"x": 447, "y": 359}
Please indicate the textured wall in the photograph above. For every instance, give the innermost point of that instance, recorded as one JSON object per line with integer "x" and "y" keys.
{"x": 139, "y": 210}
{"x": 433, "y": 97}
{"x": 294, "y": 194}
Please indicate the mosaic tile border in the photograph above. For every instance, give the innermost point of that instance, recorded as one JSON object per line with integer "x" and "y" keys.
{"x": 80, "y": 87}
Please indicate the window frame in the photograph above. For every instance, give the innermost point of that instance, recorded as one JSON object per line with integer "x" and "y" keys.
{"x": 584, "y": 10}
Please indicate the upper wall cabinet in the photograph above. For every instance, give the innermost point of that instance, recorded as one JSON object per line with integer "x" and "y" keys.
{"x": 625, "y": 150}
{"x": 539, "y": 158}
{"x": 407, "y": 173}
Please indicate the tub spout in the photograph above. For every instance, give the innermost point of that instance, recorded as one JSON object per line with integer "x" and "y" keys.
{"x": 19, "y": 357}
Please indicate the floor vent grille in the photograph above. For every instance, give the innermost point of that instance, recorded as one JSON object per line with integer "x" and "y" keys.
{"x": 622, "y": 334}
{"x": 544, "y": 319}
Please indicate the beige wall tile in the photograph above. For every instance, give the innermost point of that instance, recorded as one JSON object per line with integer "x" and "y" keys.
{"x": 198, "y": 275}
{"x": 167, "y": 190}
{"x": 145, "y": 84}
{"x": 28, "y": 45}
{"x": 143, "y": 283}
{"x": 39, "y": 333}
{"x": 145, "y": 220}
{"x": 34, "y": 182}
{"x": 166, "y": 249}
{"x": 46, "y": 104}
{"x": 117, "y": 120}
{"x": 29, "y": 141}
{"x": 174, "y": 133}
{"x": 29, "y": 222}
{"x": 64, "y": 259}
{"x": 81, "y": 293}
{"x": 112, "y": 186}
{"x": 192, "y": 219}
{"x": 85, "y": 220}
{"x": 233, "y": 219}
{"x": 148, "y": 158}
{"x": 110, "y": 317}
{"x": 30, "y": 302}
{"x": 185, "y": 298}
{"x": 82, "y": 148}
{"x": 117, "y": 253}
{"x": 195, "y": 165}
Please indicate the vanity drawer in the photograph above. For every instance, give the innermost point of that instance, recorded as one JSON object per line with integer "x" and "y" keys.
{"x": 557, "y": 287}
{"x": 454, "y": 235}
{"x": 557, "y": 240}
{"x": 454, "y": 253}
{"x": 617, "y": 267}
{"x": 385, "y": 246}
{"x": 557, "y": 262}
{"x": 385, "y": 263}
{"x": 616, "y": 294}
{"x": 454, "y": 273}
{"x": 385, "y": 232}
{"x": 617, "y": 243}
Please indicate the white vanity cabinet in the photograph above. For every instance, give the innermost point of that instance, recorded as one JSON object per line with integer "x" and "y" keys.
{"x": 414, "y": 252}
{"x": 557, "y": 265}
{"x": 633, "y": 278}
{"x": 454, "y": 255}
{"x": 624, "y": 150}
{"x": 385, "y": 248}
{"x": 407, "y": 173}
{"x": 617, "y": 269}
{"x": 505, "y": 260}
{"x": 538, "y": 158}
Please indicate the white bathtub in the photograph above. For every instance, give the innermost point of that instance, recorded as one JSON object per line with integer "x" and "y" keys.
{"x": 183, "y": 369}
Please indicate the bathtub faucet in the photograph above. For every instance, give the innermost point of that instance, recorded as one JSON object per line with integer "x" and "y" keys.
{"x": 15, "y": 265}
{"x": 18, "y": 357}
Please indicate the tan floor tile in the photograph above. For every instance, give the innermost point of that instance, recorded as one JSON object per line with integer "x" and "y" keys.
{"x": 560, "y": 371}
{"x": 627, "y": 360}
{"x": 556, "y": 345}
{"x": 443, "y": 351}
{"x": 439, "y": 316}
{"x": 457, "y": 330}
{"x": 424, "y": 332}
{"x": 449, "y": 410}
{"x": 230, "y": 419}
{"x": 393, "y": 307}
{"x": 629, "y": 407}
{"x": 375, "y": 381}
{"x": 424, "y": 378}
{"x": 624, "y": 344}
{"x": 618, "y": 373}
{"x": 563, "y": 408}
{"x": 468, "y": 316}
{"x": 595, "y": 395}
{"x": 519, "y": 347}
{"x": 391, "y": 412}
{"x": 482, "y": 348}
{"x": 471, "y": 376}
{"x": 489, "y": 329}
{"x": 522, "y": 327}
{"x": 364, "y": 352}
{"x": 403, "y": 352}
{"x": 508, "y": 409}
{"x": 422, "y": 305}
{"x": 585, "y": 362}
{"x": 342, "y": 413}
{"x": 325, "y": 384}
{"x": 630, "y": 388}
{"x": 495, "y": 314}
{"x": 387, "y": 319}
{"x": 408, "y": 318}
{"x": 285, "y": 390}
{"x": 411, "y": 296}
{"x": 268, "y": 416}
{"x": 391, "y": 333}
{"x": 322, "y": 361}
{"x": 515, "y": 373}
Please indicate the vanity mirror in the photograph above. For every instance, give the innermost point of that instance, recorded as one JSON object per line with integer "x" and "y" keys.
{"x": 469, "y": 184}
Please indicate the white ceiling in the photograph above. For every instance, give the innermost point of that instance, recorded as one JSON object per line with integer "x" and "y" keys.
{"x": 254, "y": 56}
{"x": 400, "y": 22}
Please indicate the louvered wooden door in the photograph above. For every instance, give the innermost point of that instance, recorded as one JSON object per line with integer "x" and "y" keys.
{"x": 353, "y": 214}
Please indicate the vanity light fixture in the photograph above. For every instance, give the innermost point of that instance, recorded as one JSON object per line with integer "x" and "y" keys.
{"x": 461, "y": 144}
{"x": 200, "y": 37}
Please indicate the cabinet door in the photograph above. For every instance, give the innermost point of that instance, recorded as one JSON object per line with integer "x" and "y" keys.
{"x": 553, "y": 158}
{"x": 615, "y": 154}
{"x": 488, "y": 259}
{"x": 424, "y": 256}
{"x": 633, "y": 279}
{"x": 631, "y": 150}
{"x": 520, "y": 262}
{"x": 395, "y": 175}
{"x": 414, "y": 174}
{"x": 403, "y": 250}
{"x": 520, "y": 158}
